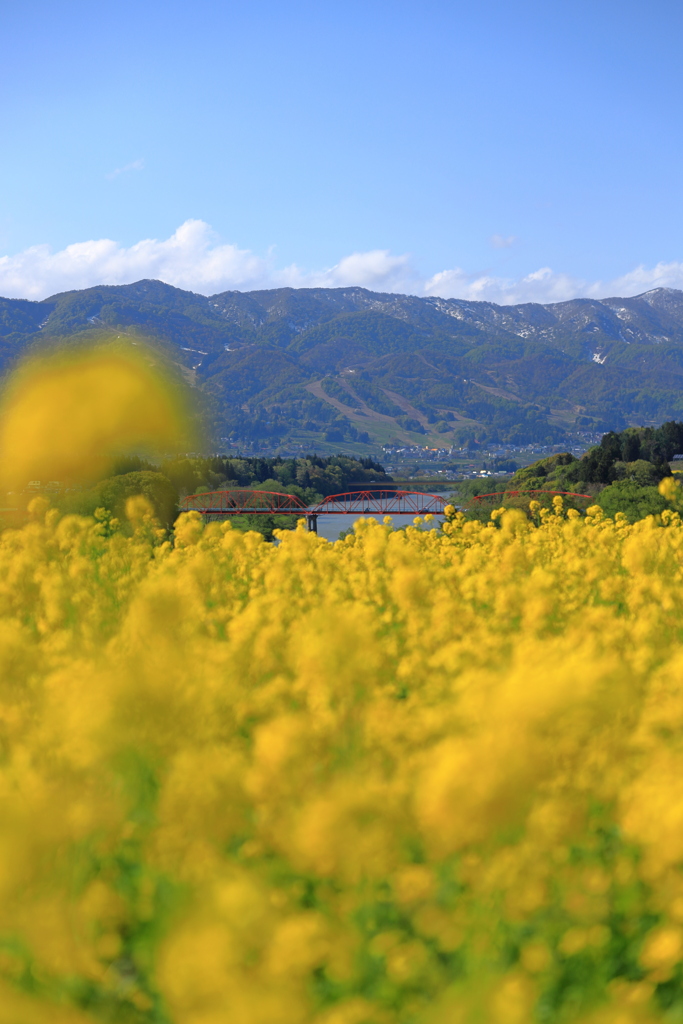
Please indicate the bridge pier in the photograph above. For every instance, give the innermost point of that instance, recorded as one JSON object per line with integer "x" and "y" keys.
{"x": 312, "y": 523}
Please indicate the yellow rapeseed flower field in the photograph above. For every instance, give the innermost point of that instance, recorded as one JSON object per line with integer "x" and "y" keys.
{"x": 412, "y": 777}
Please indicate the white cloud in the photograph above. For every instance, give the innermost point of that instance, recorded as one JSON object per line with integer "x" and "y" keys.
{"x": 546, "y": 285}
{"x": 189, "y": 259}
{"x": 502, "y": 242}
{"x": 542, "y": 285}
{"x": 377, "y": 270}
{"x": 136, "y": 165}
{"x": 194, "y": 259}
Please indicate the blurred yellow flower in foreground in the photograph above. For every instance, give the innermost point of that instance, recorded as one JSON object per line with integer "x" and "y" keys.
{"x": 64, "y": 415}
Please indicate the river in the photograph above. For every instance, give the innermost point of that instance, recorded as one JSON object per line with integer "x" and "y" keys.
{"x": 330, "y": 526}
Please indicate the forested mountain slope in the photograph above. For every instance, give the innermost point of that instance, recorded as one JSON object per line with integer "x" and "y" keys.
{"x": 350, "y": 364}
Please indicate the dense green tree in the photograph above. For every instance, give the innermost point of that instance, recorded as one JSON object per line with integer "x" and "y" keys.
{"x": 655, "y": 445}
{"x": 184, "y": 474}
{"x": 634, "y": 501}
{"x": 645, "y": 474}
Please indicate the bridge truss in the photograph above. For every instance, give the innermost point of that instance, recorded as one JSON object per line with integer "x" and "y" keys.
{"x": 217, "y": 505}
{"x": 243, "y": 502}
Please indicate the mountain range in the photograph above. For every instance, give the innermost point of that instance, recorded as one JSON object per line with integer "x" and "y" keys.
{"x": 353, "y": 366}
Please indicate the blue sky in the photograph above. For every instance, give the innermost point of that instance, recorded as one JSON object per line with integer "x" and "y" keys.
{"x": 486, "y": 149}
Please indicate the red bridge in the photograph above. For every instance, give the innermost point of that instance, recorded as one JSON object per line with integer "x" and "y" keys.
{"x": 218, "y": 504}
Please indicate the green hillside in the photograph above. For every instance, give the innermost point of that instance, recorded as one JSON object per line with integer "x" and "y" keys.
{"x": 354, "y": 367}
{"x": 621, "y": 474}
